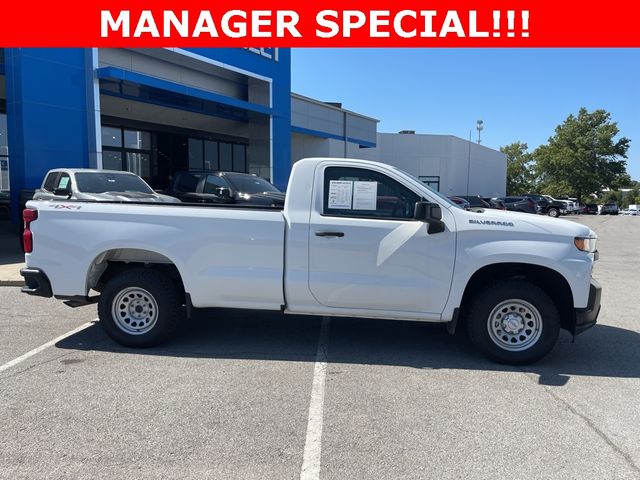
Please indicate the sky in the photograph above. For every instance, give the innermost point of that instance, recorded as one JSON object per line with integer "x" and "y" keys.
{"x": 519, "y": 94}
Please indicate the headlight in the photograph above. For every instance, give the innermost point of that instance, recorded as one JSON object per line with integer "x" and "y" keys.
{"x": 585, "y": 244}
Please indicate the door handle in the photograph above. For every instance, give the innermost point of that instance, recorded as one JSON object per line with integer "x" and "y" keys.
{"x": 329, "y": 234}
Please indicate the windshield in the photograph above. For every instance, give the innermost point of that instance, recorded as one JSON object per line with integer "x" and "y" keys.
{"x": 442, "y": 197}
{"x": 100, "y": 182}
{"x": 250, "y": 184}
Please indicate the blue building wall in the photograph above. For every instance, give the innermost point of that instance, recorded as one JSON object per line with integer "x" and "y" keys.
{"x": 50, "y": 107}
{"x": 280, "y": 73}
{"x": 46, "y": 114}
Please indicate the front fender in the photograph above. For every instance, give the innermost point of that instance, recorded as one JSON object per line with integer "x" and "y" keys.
{"x": 562, "y": 257}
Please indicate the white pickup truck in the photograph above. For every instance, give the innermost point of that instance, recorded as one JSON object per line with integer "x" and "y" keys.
{"x": 355, "y": 238}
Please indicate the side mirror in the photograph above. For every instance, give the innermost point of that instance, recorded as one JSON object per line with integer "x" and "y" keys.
{"x": 63, "y": 192}
{"x": 430, "y": 213}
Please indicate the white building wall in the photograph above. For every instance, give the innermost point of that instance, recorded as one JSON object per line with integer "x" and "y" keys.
{"x": 452, "y": 159}
{"x": 463, "y": 167}
{"x": 307, "y": 146}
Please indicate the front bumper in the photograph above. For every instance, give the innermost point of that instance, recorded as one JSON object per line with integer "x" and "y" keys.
{"x": 36, "y": 282}
{"x": 587, "y": 317}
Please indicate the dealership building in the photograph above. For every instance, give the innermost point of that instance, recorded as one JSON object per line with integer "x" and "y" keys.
{"x": 158, "y": 111}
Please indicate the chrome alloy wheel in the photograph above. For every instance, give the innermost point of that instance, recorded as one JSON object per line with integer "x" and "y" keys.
{"x": 514, "y": 325}
{"x": 134, "y": 310}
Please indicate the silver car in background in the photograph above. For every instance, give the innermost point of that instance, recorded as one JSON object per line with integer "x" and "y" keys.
{"x": 98, "y": 185}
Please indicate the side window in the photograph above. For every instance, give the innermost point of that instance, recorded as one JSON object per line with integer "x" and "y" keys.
{"x": 64, "y": 181}
{"x": 212, "y": 183}
{"x": 50, "y": 183}
{"x": 186, "y": 183}
{"x": 357, "y": 192}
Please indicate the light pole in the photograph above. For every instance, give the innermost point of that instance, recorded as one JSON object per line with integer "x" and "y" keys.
{"x": 469, "y": 163}
{"x": 479, "y": 127}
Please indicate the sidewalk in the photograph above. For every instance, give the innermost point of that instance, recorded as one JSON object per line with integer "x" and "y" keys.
{"x": 11, "y": 257}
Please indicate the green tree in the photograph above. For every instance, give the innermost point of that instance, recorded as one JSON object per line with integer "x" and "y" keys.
{"x": 583, "y": 156}
{"x": 612, "y": 196}
{"x": 520, "y": 178}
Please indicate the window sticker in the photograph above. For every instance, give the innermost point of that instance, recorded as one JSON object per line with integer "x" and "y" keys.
{"x": 365, "y": 195}
{"x": 340, "y": 194}
{"x": 64, "y": 182}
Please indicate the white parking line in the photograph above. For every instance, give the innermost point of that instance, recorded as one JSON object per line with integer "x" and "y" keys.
{"x": 313, "y": 442}
{"x": 42, "y": 347}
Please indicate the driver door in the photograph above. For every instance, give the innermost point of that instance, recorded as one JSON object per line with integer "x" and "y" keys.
{"x": 366, "y": 251}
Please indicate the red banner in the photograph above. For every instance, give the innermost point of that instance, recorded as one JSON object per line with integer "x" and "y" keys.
{"x": 280, "y": 23}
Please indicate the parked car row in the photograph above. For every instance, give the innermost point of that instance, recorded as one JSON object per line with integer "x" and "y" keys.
{"x": 629, "y": 212}
{"x": 119, "y": 186}
{"x": 538, "y": 204}
{"x": 475, "y": 203}
{"x": 244, "y": 188}
{"x": 532, "y": 203}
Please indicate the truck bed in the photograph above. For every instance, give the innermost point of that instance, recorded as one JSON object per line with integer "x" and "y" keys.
{"x": 228, "y": 255}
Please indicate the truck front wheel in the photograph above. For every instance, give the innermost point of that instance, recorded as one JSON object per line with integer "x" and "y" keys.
{"x": 513, "y": 322}
{"x": 140, "y": 308}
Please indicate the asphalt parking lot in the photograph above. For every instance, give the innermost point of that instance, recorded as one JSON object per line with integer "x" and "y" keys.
{"x": 234, "y": 395}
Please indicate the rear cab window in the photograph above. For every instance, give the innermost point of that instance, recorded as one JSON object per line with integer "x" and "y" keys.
{"x": 64, "y": 181}
{"x": 50, "y": 182}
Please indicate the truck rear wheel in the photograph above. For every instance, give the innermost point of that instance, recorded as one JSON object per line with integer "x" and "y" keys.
{"x": 513, "y": 322}
{"x": 140, "y": 308}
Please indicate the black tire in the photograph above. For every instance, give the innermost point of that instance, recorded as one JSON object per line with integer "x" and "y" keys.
{"x": 534, "y": 335}
{"x": 140, "y": 308}
{"x": 553, "y": 212}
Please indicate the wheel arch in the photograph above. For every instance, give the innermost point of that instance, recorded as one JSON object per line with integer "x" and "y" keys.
{"x": 115, "y": 260}
{"x": 552, "y": 282}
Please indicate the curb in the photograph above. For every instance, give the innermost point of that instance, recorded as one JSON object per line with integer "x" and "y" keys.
{"x": 11, "y": 283}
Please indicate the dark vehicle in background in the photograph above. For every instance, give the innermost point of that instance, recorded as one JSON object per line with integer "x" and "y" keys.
{"x": 553, "y": 208}
{"x": 609, "y": 209}
{"x": 495, "y": 203}
{"x": 460, "y": 201}
{"x": 591, "y": 209}
{"x": 571, "y": 203}
{"x": 520, "y": 204}
{"x": 97, "y": 185}
{"x": 475, "y": 203}
{"x": 225, "y": 187}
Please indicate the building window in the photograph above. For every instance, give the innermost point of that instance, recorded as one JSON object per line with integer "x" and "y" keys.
{"x": 126, "y": 149}
{"x": 4, "y": 151}
{"x": 211, "y": 155}
{"x": 431, "y": 181}
{"x": 226, "y": 159}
